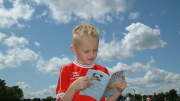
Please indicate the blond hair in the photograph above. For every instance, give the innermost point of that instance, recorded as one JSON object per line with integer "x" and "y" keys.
{"x": 84, "y": 30}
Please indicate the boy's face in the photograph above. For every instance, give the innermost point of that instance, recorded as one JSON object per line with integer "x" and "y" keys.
{"x": 86, "y": 49}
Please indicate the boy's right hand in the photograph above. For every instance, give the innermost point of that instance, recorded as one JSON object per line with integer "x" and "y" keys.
{"x": 81, "y": 83}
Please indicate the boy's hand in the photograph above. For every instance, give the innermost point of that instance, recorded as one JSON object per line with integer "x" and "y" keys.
{"x": 121, "y": 85}
{"x": 81, "y": 83}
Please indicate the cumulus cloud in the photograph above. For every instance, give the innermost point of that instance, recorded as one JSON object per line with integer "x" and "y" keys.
{"x": 135, "y": 67}
{"x": 140, "y": 37}
{"x": 134, "y": 15}
{"x": 2, "y": 36}
{"x": 37, "y": 44}
{"x": 110, "y": 51}
{"x": 11, "y": 16}
{"x": 23, "y": 85}
{"x": 109, "y": 18}
{"x": 62, "y": 10}
{"x": 17, "y": 54}
{"x": 1, "y": 1}
{"x": 153, "y": 79}
{"x": 20, "y": 26}
{"x": 41, "y": 94}
{"x": 43, "y": 14}
{"x": 52, "y": 66}
{"x": 16, "y": 41}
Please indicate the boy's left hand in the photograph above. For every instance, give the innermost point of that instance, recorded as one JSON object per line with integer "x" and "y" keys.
{"x": 121, "y": 85}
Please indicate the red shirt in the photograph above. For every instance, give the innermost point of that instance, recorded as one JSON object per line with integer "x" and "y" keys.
{"x": 71, "y": 72}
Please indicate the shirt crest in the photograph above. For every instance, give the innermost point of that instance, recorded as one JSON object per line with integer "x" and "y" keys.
{"x": 75, "y": 73}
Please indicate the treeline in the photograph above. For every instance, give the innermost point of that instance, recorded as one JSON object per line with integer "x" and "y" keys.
{"x": 15, "y": 93}
{"x": 49, "y": 98}
{"x": 171, "y": 95}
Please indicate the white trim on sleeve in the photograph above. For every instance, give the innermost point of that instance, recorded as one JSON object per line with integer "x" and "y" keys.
{"x": 59, "y": 95}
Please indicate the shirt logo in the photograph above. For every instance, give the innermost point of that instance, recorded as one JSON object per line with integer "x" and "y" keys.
{"x": 75, "y": 74}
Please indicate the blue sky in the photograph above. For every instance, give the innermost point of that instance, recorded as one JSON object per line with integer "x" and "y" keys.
{"x": 139, "y": 36}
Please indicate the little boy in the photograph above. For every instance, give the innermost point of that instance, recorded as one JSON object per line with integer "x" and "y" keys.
{"x": 72, "y": 77}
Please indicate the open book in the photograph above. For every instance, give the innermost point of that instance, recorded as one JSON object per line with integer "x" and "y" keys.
{"x": 103, "y": 84}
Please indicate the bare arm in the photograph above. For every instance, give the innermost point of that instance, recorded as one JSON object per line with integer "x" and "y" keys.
{"x": 79, "y": 84}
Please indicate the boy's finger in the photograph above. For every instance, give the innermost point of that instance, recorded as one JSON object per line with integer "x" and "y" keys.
{"x": 90, "y": 83}
{"x": 89, "y": 78}
{"x": 115, "y": 84}
{"x": 123, "y": 77}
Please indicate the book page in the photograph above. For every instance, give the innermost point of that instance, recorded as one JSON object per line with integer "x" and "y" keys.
{"x": 100, "y": 82}
{"x": 115, "y": 77}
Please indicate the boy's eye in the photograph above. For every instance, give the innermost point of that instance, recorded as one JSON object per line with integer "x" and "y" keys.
{"x": 95, "y": 50}
{"x": 86, "y": 51}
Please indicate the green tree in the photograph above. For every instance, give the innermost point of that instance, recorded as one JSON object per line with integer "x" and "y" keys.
{"x": 161, "y": 96}
{"x": 10, "y": 93}
{"x": 167, "y": 95}
{"x": 14, "y": 92}
{"x": 137, "y": 96}
{"x": 36, "y": 99}
{"x": 173, "y": 94}
{"x": 49, "y": 98}
{"x": 2, "y": 89}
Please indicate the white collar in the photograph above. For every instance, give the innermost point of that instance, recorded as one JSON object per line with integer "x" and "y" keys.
{"x": 83, "y": 66}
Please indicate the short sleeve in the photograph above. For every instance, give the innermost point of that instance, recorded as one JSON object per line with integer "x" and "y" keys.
{"x": 106, "y": 71}
{"x": 63, "y": 83}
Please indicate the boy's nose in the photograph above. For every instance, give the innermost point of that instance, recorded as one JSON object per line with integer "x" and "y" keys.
{"x": 91, "y": 54}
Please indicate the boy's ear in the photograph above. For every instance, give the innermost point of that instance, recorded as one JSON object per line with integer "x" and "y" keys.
{"x": 73, "y": 49}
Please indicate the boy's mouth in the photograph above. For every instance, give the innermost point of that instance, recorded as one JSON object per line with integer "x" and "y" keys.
{"x": 90, "y": 59}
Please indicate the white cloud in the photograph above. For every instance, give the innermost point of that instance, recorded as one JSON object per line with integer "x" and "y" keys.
{"x": 16, "y": 56}
{"x": 16, "y": 41}
{"x": 23, "y": 85}
{"x": 41, "y": 94}
{"x": 2, "y": 36}
{"x": 111, "y": 51}
{"x": 20, "y": 26}
{"x": 153, "y": 79}
{"x": 1, "y": 1}
{"x": 109, "y": 19}
{"x": 11, "y": 16}
{"x": 48, "y": 21}
{"x": 37, "y": 44}
{"x": 53, "y": 66}
{"x": 43, "y": 14}
{"x": 135, "y": 67}
{"x": 62, "y": 10}
{"x": 134, "y": 15}
{"x": 140, "y": 37}
{"x": 121, "y": 18}
{"x": 104, "y": 34}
